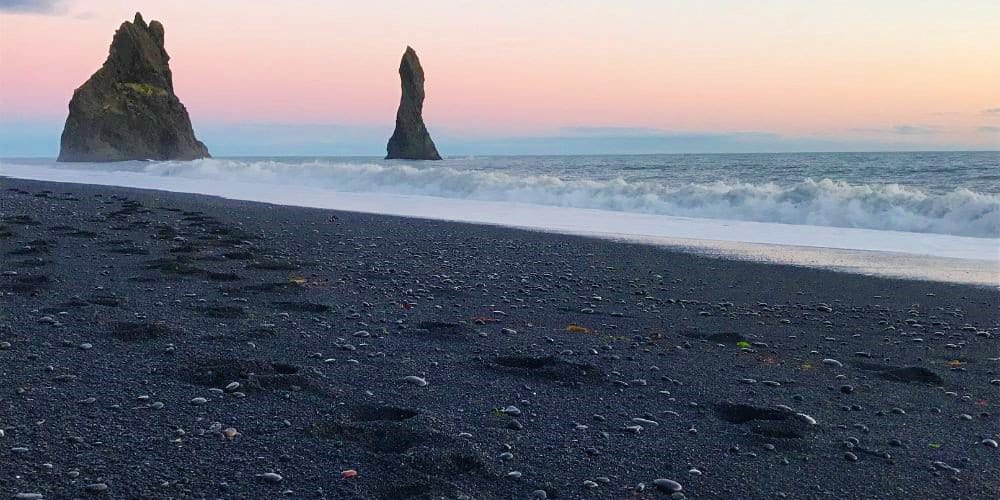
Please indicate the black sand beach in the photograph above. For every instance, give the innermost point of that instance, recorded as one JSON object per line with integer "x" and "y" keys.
{"x": 160, "y": 345}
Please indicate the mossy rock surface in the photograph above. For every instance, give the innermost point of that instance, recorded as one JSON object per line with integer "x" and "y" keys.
{"x": 128, "y": 110}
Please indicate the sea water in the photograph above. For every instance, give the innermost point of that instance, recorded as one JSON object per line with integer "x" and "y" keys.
{"x": 922, "y": 215}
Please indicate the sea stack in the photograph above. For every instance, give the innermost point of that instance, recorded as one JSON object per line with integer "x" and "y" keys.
{"x": 410, "y": 140}
{"x": 128, "y": 110}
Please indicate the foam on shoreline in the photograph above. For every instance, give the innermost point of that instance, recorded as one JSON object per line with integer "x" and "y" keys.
{"x": 937, "y": 257}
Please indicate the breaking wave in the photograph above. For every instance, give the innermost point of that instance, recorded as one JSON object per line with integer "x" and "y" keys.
{"x": 822, "y": 202}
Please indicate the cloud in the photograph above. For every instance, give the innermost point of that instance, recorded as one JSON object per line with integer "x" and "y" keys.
{"x": 899, "y": 130}
{"x": 989, "y": 129}
{"x": 656, "y": 133}
{"x": 610, "y": 131}
{"x": 914, "y": 130}
{"x": 32, "y": 6}
{"x": 992, "y": 111}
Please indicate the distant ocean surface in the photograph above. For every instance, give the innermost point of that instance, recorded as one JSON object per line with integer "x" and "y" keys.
{"x": 943, "y": 204}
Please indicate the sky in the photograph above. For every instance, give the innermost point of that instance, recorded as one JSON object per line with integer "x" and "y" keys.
{"x": 314, "y": 77}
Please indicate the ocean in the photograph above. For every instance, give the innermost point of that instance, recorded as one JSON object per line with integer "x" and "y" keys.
{"x": 933, "y": 215}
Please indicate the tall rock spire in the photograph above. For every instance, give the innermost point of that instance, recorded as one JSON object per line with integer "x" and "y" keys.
{"x": 127, "y": 110}
{"x": 410, "y": 140}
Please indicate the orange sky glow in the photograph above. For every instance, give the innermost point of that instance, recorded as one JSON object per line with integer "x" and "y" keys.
{"x": 901, "y": 70}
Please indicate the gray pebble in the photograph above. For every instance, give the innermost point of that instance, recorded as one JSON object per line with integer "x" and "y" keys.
{"x": 667, "y": 485}
{"x": 270, "y": 477}
{"x": 96, "y": 488}
{"x": 511, "y": 410}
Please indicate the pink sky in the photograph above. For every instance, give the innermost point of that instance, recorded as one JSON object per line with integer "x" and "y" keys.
{"x": 895, "y": 69}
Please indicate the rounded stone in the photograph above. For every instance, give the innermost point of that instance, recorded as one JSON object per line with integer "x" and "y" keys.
{"x": 668, "y": 485}
{"x": 270, "y": 477}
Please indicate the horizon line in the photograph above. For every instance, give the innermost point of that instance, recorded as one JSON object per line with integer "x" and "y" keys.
{"x": 456, "y": 157}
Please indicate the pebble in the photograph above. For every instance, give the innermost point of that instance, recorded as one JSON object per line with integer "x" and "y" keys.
{"x": 86, "y": 346}
{"x": 944, "y": 466}
{"x": 992, "y": 443}
{"x": 198, "y": 401}
{"x": 850, "y": 456}
{"x": 643, "y": 421}
{"x": 415, "y": 380}
{"x": 667, "y": 485}
{"x": 511, "y": 410}
{"x": 96, "y": 488}
{"x": 832, "y": 362}
{"x": 28, "y": 496}
{"x": 270, "y": 477}
{"x": 806, "y": 418}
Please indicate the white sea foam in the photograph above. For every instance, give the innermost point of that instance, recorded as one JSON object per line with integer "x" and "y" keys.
{"x": 883, "y": 229}
{"x": 811, "y": 202}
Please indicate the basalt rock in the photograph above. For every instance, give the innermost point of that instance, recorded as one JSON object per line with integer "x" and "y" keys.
{"x": 128, "y": 110}
{"x": 410, "y": 140}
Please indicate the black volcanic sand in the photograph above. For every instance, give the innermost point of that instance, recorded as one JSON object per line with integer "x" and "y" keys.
{"x": 297, "y": 328}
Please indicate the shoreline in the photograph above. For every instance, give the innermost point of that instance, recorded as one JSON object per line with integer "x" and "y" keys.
{"x": 577, "y": 366}
{"x": 822, "y": 247}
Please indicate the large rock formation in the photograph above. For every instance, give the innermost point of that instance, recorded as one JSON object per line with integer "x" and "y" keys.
{"x": 410, "y": 140}
{"x": 127, "y": 110}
